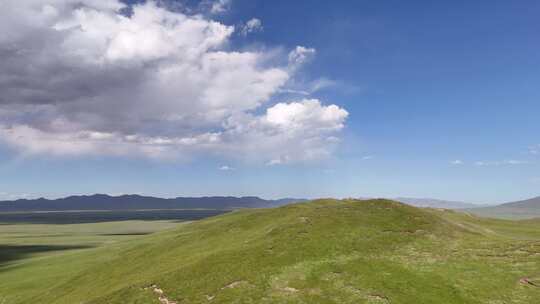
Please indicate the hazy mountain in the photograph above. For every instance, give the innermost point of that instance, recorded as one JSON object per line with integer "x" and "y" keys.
{"x": 532, "y": 203}
{"x": 434, "y": 203}
{"x": 524, "y": 209}
{"x": 137, "y": 202}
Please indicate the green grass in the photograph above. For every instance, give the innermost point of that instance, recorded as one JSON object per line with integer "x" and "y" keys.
{"x": 325, "y": 251}
{"x": 24, "y": 245}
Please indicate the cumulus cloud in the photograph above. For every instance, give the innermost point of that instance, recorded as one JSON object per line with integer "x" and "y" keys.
{"x": 299, "y": 130}
{"x": 79, "y": 77}
{"x": 305, "y": 116}
{"x": 253, "y": 25}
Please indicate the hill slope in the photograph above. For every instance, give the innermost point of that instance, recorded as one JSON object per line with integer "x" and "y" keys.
{"x": 138, "y": 202}
{"x": 325, "y": 251}
{"x": 525, "y": 209}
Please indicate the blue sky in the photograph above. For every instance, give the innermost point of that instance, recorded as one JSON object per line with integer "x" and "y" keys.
{"x": 442, "y": 101}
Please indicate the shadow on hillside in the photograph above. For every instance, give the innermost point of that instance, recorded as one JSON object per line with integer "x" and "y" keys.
{"x": 125, "y": 234}
{"x": 11, "y": 253}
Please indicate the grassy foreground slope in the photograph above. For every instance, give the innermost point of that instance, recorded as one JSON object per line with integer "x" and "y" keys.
{"x": 325, "y": 251}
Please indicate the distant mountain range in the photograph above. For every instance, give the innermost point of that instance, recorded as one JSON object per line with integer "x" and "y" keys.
{"x": 138, "y": 202}
{"x": 515, "y": 210}
{"x": 434, "y": 203}
{"x": 428, "y": 202}
{"x": 525, "y": 209}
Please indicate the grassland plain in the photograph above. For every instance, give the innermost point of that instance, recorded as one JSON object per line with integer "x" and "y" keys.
{"x": 325, "y": 251}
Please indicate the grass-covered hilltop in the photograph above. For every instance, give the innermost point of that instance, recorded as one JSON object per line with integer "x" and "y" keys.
{"x": 324, "y": 251}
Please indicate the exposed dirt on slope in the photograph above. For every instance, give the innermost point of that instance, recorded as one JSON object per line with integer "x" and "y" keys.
{"x": 527, "y": 281}
{"x": 160, "y": 293}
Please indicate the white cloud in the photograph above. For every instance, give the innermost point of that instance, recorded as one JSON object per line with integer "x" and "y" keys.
{"x": 367, "y": 157}
{"x": 226, "y": 168}
{"x": 535, "y": 150}
{"x": 13, "y": 196}
{"x": 295, "y": 131}
{"x": 220, "y": 6}
{"x": 457, "y": 162}
{"x": 300, "y": 55}
{"x": 72, "y": 143}
{"x": 307, "y": 115}
{"x": 253, "y": 25}
{"x": 79, "y": 78}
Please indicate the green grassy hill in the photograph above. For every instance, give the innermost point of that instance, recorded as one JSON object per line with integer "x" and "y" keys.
{"x": 326, "y": 251}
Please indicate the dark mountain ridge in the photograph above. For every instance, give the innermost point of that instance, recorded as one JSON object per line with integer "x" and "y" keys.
{"x": 139, "y": 202}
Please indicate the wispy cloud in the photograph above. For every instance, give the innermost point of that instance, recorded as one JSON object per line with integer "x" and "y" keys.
{"x": 457, "y": 162}
{"x": 281, "y": 160}
{"x": 309, "y": 88}
{"x": 368, "y": 157}
{"x": 275, "y": 162}
{"x": 322, "y": 83}
{"x": 510, "y": 162}
{"x": 253, "y": 25}
{"x": 220, "y": 6}
{"x": 226, "y": 168}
